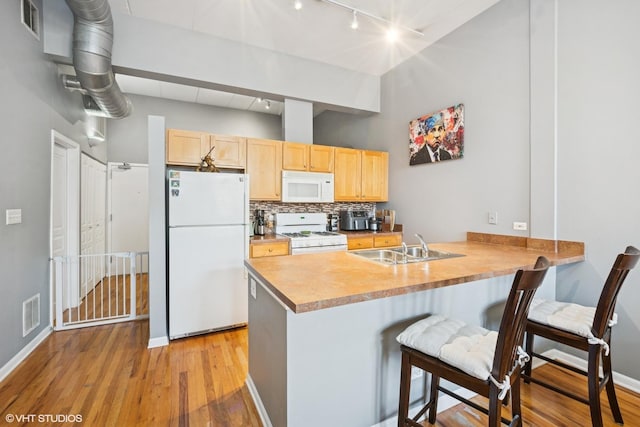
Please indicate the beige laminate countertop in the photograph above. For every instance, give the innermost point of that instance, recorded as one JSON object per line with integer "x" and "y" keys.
{"x": 316, "y": 281}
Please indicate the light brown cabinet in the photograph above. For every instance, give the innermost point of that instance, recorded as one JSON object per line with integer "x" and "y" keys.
{"x": 258, "y": 250}
{"x": 387, "y": 240}
{"x": 374, "y": 241}
{"x": 307, "y": 157}
{"x": 229, "y": 152}
{"x": 375, "y": 176}
{"x": 361, "y": 175}
{"x": 360, "y": 242}
{"x": 188, "y": 148}
{"x": 264, "y": 166}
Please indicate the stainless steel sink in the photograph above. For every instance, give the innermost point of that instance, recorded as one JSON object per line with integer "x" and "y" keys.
{"x": 418, "y": 252}
{"x": 395, "y": 256}
{"x": 384, "y": 256}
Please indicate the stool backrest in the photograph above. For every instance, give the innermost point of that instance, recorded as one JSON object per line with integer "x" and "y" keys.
{"x": 514, "y": 318}
{"x": 607, "y": 303}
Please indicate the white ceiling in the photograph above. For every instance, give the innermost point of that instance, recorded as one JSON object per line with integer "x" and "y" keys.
{"x": 320, "y": 31}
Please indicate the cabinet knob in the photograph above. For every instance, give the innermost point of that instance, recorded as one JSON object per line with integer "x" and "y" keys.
{"x": 270, "y": 250}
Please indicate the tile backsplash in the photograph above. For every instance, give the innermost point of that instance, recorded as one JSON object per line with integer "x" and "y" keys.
{"x": 328, "y": 208}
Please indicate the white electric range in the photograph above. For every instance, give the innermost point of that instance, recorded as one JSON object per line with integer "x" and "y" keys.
{"x": 307, "y": 232}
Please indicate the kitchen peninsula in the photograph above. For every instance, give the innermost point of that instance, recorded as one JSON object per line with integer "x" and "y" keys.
{"x": 322, "y": 327}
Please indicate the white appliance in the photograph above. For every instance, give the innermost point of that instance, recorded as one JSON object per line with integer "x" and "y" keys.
{"x": 307, "y": 187}
{"x": 208, "y": 243}
{"x": 307, "y": 232}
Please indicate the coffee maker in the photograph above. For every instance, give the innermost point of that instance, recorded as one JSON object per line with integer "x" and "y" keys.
{"x": 259, "y": 222}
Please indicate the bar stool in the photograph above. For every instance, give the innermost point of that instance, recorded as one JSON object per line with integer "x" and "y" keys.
{"x": 483, "y": 361}
{"x": 587, "y": 329}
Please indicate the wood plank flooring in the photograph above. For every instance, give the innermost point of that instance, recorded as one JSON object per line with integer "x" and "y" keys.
{"x": 110, "y": 298}
{"x": 107, "y": 375}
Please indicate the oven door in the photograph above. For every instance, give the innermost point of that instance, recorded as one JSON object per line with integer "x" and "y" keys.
{"x": 318, "y": 249}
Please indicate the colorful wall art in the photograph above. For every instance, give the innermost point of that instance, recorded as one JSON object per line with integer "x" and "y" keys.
{"x": 437, "y": 136}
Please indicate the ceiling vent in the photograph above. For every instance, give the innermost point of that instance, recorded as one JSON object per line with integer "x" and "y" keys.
{"x": 31, "y": 18}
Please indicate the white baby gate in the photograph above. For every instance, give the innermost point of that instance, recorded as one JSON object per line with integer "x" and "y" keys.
{"x": 98, "y": 289}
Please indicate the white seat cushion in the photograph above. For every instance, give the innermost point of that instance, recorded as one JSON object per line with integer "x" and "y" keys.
{"x": 570, "y": 317}
{"x": 468, "y": 348}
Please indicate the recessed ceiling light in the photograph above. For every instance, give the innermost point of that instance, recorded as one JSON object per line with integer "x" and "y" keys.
{"x": 297, "y": 5}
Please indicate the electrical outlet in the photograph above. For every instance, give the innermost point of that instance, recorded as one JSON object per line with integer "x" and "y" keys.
{"x": 493, "y": 217}
{"x": 519, "y": 225}
{"x": 253, "y": 288}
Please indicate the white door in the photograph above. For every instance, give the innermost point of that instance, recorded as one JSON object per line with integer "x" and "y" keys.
{"x": 128, "y": 195}
{"x": 92, "y": 221}
{"x": 59, "y": 208}
{"x": 64, "y": 228}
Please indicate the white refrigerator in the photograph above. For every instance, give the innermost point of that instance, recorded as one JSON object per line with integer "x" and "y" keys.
{"x": 208, "y": 217}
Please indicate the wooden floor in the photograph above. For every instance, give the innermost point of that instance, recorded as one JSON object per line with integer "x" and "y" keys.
{"x": 111, "y": 298}
{"x": 107, "y": 375}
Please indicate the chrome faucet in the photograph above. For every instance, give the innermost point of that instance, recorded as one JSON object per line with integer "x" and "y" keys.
{"x": 425, "y": 248}
{"x": 404, "y": 252}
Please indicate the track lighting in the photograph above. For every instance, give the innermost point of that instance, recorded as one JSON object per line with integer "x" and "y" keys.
{"x": 297, "y": 5}
{"x": 268, "y": 106}
{"x": 393, "y": 31}
{"x": 354, "y": 21}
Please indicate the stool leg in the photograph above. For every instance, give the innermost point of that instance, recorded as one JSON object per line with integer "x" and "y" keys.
{"x": 611, "y": 390}
{"x": 529, "y": 350}
{"x": 516, "y": 409}
{"x": 495, "y": 407}
{"x": 594, "y": 385}
{"x": 405, "y": 388}
{"x": 433, "y": 398}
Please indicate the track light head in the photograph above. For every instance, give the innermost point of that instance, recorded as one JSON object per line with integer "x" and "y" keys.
{"x": 354, "y": 21}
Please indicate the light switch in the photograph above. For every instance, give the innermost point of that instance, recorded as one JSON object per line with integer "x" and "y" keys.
{"x": 14, "y": 216}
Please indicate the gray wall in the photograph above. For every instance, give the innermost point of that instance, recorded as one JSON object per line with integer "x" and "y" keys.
{"x": 32, "y": 103}
{"x": 483, "y": 64}
{"x": 598, "y": 152}
{"x": 486, "y": 65}
{"x": 128, "y": 137}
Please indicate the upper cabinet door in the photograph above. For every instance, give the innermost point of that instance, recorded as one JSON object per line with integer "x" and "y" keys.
{"x": 230, "y": 151}
{"x": 321, "y": 158}
{"x": 295, "y": 156}
{"x": 186, "y": 147}
{"x": 264, "y": 166}
{"x": 375, "y": 176}
{"x": 347, "y": 172}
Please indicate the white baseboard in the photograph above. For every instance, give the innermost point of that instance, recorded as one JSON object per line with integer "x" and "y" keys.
{"x": 262, "y": 411}
{"x": 26, "y": 351}
{"x": 158, "y": 342}
{"x": 445, "y": 402}
{"x": 619, "y": 379}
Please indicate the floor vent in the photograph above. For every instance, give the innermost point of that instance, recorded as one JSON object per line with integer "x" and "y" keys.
{"x": 30, "y": 314}
{"x": 31, "y": 18}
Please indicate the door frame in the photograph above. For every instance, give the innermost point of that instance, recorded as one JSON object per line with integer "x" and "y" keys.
{"x": 72, "y": 149}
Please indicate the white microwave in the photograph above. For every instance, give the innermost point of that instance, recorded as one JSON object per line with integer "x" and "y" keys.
{"x": 307, "y": 187}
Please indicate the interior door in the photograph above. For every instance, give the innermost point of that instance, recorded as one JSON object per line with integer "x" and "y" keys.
{"x": 129, "y": 208}
{"x": 59, "y": 209}
{"x": 92, "y": 222}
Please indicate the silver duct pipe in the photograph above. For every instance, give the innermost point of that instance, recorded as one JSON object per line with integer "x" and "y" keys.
{"x": 92, "y": 43}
